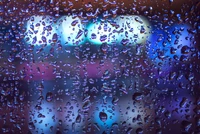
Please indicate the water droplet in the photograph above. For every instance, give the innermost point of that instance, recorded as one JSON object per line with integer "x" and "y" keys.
{"x": 103, "y": 116}
{"x": 78, "y": 119}
{"x": 137, "y": 96}
{"x": 49, "y": 96}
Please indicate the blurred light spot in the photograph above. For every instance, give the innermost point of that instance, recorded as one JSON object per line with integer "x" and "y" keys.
{"x": 168, "y": 46}
{"x": 132, "y": 29}
{"x": 39, "y": 30}
{"x": 102, "y": 32}
{"x": 106, "y": 114}
{"x": 43, "y": 119}
{"x": 70, "y": 30}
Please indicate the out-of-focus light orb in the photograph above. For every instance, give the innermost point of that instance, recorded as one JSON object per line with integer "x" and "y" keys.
{"x": 135, "y": 114}
{"x": 40, "y": 30}
{"x": 71, "y": 31}
{"x": 106, "y": 114}
{"x": 132, "y": 29}
{"x": 44, "y": 119}
{"x": 156, "y": 47}
{"x": 181, "y": 39}
{"x": 169, "y": 45}
{"x": 102, "y": 32}
{"x": 73, "y": 119}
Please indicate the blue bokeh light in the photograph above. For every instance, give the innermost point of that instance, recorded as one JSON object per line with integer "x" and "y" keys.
{"x": 167, "y": 45}
{"x": 110, "y": 110}
{"x": 44, "y": 119}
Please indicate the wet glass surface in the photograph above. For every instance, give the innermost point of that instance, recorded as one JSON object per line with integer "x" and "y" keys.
{"x": 99, "y": 67}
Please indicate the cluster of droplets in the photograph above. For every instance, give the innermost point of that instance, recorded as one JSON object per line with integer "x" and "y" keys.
{"x": 124, "y": 74}
{"x": 69, "y": 30}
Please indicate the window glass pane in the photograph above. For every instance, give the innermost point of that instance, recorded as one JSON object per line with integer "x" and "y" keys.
{"x": 99, "y": 67}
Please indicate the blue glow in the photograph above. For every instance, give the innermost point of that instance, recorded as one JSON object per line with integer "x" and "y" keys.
{"x": 166, "y": 45}
{"x": 112, "y": 114}
{"x": 46, "y": 120}
{"x": 157, "y": 50}
{"x": 180, "y": 38}
{"x": 71, "y": 30}
{"x": 39, "y": 30}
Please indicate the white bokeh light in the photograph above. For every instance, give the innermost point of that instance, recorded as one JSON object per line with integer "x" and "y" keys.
{"x": 39, "y": 30}
{"x": 102, "y": 32}
{"x": 70, "y": 30}
{"x": 132, "y": 29}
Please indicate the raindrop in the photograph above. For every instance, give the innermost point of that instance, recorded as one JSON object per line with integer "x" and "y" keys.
{"x": 49, "y": 96}
{"x": 137, "y": 96}
{"x": 103, "y": 116}
{"x": 78, "y": 119}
